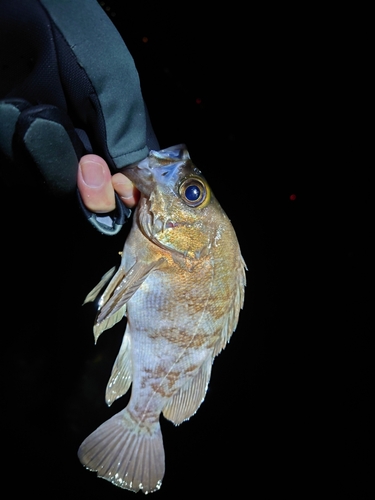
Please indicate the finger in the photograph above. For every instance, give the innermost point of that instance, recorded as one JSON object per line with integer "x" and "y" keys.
{"x": 125, "y": 189}
{"x": 95, "y": 184}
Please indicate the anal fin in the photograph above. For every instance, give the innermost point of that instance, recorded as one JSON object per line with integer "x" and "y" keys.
{"x": 121, "y": 376}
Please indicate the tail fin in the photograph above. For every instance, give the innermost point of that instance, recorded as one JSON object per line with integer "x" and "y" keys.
{"x": 129, "y": 456}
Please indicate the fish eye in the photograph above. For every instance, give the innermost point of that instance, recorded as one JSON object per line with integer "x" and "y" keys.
{"x": 194, "y": 192}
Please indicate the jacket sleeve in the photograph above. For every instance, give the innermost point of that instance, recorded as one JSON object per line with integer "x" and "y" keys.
{"x": 72, "y": 89}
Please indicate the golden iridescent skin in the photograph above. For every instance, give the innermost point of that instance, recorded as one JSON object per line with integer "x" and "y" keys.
{"x": 181, "y": 285}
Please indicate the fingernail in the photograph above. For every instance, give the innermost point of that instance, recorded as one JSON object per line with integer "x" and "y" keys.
{"x": 92, "y": 173}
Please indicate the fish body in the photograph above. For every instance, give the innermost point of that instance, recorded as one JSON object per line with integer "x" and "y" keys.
{"x": 181, "y": 285}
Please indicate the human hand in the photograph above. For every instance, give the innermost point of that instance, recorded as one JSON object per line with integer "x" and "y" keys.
{"x": 97, "y": 186}
{"x": 71, "y": 89}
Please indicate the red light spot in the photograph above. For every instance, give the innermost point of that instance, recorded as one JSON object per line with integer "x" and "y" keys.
{"x": 145, "y": 39}
{"x": 292, "y": 197}
{"x": 198, "y": 100}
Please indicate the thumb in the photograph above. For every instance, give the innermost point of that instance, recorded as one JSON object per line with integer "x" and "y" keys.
{"x": 94, "y": 182}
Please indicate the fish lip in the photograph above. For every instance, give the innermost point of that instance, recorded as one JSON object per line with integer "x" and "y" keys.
{"x": 162, "y": 167}
{"x": 145, "y": 177}
{"x": 142, "y": 178}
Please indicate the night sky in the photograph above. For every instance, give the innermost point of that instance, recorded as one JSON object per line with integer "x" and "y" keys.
{"x": 290, "y": 397}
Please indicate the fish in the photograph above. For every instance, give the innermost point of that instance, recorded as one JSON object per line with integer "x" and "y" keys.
{"x": 181, "y": 286}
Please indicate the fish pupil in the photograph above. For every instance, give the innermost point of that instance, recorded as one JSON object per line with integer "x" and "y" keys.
{"x": 192, "y": 193}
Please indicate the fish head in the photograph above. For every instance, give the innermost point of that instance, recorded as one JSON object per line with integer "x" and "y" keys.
{"x": 177, "y": 210}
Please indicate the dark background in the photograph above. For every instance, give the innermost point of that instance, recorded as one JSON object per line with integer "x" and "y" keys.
{"x": 253, "y": 94}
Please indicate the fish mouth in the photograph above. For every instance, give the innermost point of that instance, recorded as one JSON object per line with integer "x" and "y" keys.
{"x": 141, "y": 177}
{"x": 159, "y": 167}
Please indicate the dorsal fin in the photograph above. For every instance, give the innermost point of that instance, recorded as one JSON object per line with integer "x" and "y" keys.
{"x": 188, "y": 399}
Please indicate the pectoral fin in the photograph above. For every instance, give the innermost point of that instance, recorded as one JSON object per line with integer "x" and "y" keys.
{"x": 109, "y": 321}
{"x": 121, "y": 288}
{"x": 95, "y": 291}
{"x": 186, "y": 402}
{"x": 121, "y": 376}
